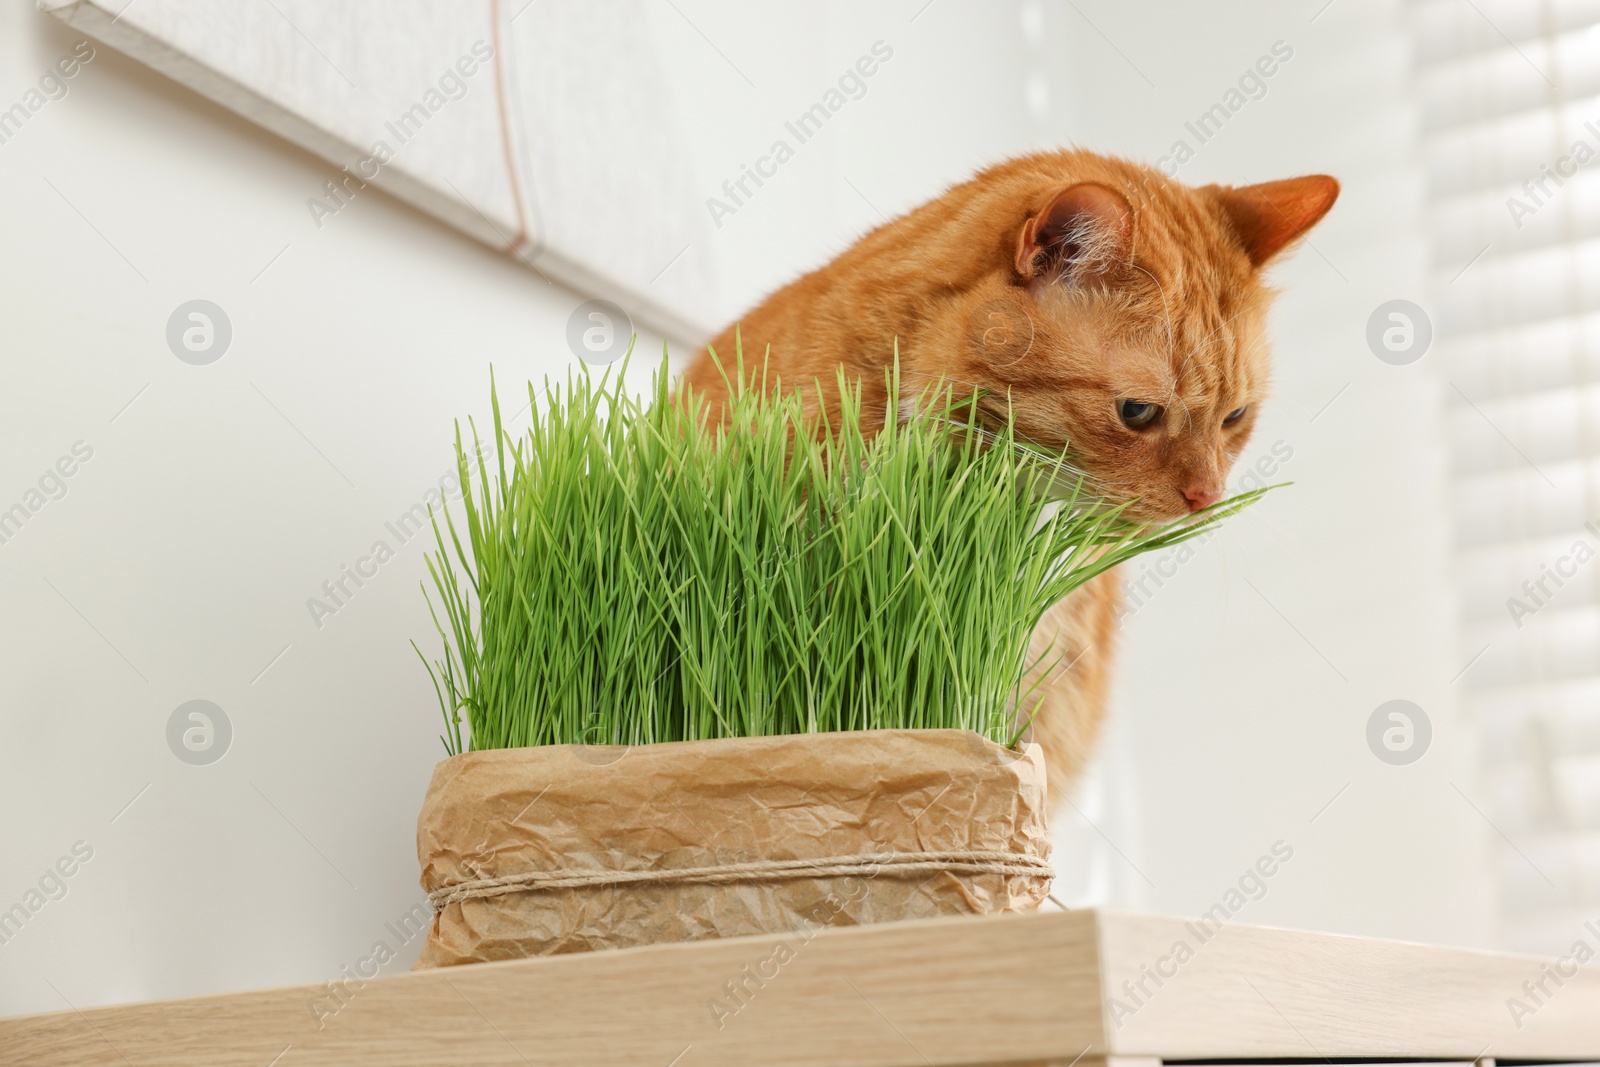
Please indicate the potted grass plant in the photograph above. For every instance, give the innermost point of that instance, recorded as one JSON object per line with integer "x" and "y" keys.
{"x": 706, "y": 677}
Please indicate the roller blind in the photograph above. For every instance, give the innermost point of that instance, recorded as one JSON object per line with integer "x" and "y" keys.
{"x": 1510, "y": 112}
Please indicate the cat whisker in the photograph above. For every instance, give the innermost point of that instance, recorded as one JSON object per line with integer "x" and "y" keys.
{"x": 1067, "y": 477}
{"x": 1166, "y": 312}
{"x": 937, "y": 378}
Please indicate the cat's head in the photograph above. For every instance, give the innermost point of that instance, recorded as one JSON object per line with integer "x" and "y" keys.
{"x": 1123, "y": 314}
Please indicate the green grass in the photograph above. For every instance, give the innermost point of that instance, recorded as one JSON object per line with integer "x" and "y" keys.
{"x": 630, "y": 572}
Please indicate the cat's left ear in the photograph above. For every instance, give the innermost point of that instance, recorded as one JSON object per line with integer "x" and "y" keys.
{"x": 1272, "y": 215}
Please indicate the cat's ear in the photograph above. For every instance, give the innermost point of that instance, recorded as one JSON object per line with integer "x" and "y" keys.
{"x": 1272, "y": 215}
{"x": 1085, "y": 229}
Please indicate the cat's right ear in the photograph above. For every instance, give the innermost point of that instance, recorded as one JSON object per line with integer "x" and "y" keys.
{"x": 1084, "y": 231}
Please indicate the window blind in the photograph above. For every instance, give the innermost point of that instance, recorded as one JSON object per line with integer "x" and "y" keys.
{"x": 1509, "y": 94}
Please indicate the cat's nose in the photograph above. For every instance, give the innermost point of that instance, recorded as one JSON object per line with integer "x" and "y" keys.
{"x": 1201, "y": 498}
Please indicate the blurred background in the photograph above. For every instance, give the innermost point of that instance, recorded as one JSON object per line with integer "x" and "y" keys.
{"x": 217, "y": 399}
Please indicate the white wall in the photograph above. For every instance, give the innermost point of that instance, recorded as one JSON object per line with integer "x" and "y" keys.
{"x": 1244, "y": 694}
{"x": 179, "y": 563}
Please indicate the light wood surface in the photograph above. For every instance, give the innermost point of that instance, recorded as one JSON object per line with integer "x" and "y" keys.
{"x": 1002, "y": 989}
{"x": 1254, "y": 991}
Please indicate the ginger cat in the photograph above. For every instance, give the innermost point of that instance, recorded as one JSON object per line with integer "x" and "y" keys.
{"x": 1122, "y": 314}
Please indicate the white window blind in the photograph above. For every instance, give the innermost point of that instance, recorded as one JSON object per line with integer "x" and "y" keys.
{"x": 1510, "y": 105}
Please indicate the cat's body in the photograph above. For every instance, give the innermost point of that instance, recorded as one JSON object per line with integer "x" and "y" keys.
{"x": 1118, "y": 313}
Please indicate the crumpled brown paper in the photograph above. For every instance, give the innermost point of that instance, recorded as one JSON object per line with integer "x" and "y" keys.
{"x": 703, "y": 803}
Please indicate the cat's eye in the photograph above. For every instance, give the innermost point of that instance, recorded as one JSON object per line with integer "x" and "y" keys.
{"x": 1235, "y": 415}
{"x": 1136, "y": 414}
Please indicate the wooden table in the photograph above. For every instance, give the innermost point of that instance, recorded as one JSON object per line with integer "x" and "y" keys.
{"x": 1059, "y": 988}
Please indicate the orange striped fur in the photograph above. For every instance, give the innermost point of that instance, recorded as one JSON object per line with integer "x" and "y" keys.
{"x": 1062, "y": 284}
